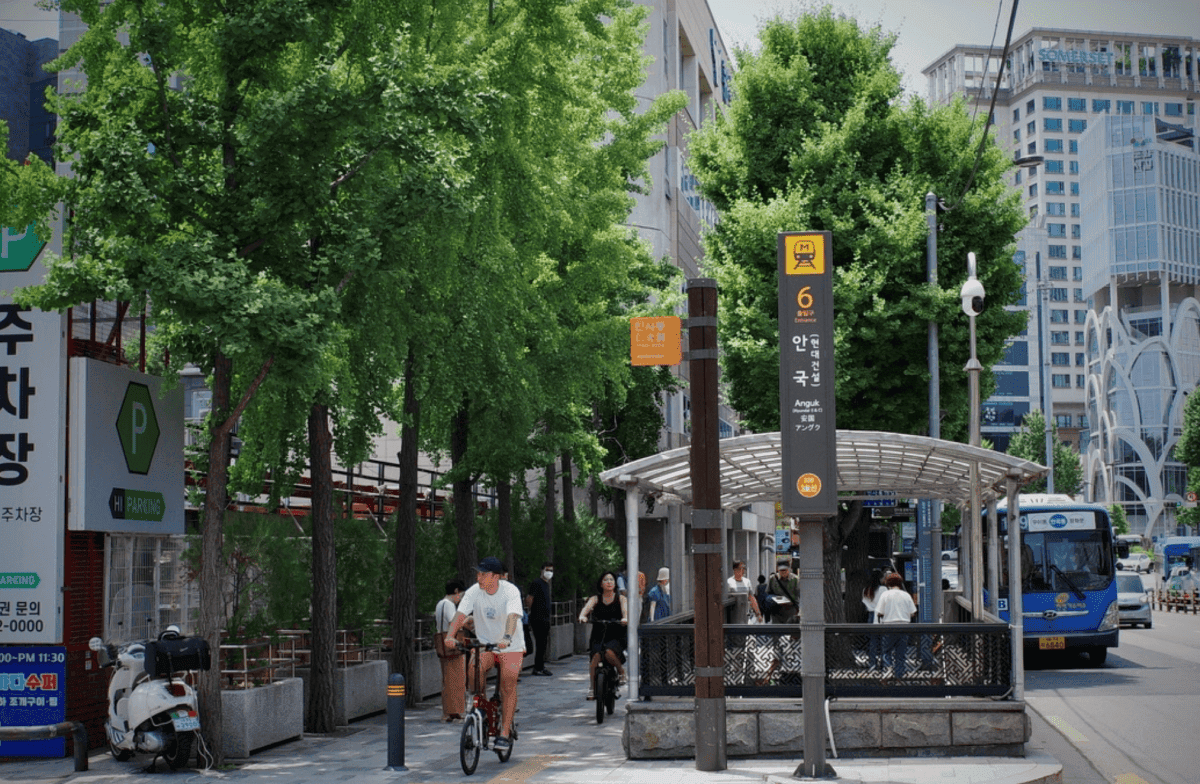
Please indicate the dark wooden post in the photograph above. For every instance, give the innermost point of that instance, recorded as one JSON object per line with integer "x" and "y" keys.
{"x": 708, "y": 533}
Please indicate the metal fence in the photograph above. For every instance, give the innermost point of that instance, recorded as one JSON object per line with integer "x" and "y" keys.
{"x": 861, "y": 660}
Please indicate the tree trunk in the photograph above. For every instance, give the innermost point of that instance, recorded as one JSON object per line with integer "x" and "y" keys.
{"x": 321, "y": 709}
{"x": 504, "y": 525}
{"x": 464, "y": 508}
{"x": 568, "y": 493}
{"x": 550, "y": 511}
{"x": 404, "y": 584}
{"x": 212, "y": 610}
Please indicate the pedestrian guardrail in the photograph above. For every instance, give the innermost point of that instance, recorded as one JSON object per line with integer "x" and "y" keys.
{"x": 75, "y": 729}
{"x": 1177, "y": 601}
{"x": 861, "y": 660}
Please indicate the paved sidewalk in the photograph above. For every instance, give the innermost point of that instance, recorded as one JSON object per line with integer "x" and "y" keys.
{"x": 560, "y": 743}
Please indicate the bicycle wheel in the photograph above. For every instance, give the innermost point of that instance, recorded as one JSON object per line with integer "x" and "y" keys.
{"x": 610, "y": 691}
{"x": 468, "y": 750}
{"x": 599, "y": 690}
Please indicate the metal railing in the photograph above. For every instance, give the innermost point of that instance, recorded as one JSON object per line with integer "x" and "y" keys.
{"x": 861, "y": 660}
{"x": 245, "y": 665}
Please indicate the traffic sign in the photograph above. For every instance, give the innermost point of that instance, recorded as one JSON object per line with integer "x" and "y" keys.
{"x": 136, "y": 505}
{"x": 137, "y": 427}
{"x": 19, "y": 249}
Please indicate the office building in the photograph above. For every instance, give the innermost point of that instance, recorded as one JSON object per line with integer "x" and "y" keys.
{"x": 23, "y": 83}
{"x": 1056, "y": 85}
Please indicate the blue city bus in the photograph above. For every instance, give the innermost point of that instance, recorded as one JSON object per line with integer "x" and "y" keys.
{"x": 1068, "y": 588}
{"x": 1173, "y": 551}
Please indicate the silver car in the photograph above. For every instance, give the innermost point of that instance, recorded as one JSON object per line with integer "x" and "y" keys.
{"x": 1133, "y": 600}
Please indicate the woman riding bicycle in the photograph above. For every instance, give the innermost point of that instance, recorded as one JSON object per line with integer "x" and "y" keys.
{"x": 607, "y": 638}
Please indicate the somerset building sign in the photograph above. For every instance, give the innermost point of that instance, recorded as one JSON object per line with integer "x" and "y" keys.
{"x": 1075, "y": 57}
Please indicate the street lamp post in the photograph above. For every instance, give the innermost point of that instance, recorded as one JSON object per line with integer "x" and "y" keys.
{"x": 972, "y": 304}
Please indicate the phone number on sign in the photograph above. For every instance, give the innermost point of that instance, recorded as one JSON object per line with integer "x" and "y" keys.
{"x": 21, "y": 625}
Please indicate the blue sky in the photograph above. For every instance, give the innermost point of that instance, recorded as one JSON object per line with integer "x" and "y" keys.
{"x": 926, "y": 28}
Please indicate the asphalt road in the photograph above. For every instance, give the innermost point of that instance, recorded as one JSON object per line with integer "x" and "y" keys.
{"x": 1136, "y": 720}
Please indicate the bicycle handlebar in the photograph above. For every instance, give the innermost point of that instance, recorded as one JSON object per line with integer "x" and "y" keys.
{"x": 475, "y": 645}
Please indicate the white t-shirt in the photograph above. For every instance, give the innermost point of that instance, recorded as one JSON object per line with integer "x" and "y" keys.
{"x": 444, "y": 614}
{"x": 739, "y": 587}
{"x": 491, "y": 613}
{"x": 895, "y": 606}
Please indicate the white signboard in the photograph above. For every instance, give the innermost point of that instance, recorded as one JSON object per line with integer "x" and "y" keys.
{"x": 1076, "y": 520}
{"x": 126, "y": 451}
{"x": 33, "y": 357}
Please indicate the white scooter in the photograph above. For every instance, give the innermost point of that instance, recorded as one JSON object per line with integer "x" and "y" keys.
{"x": 150, "y": 711}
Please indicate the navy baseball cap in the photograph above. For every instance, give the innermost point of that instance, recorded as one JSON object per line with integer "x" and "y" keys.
{"x": 490, "y": 564}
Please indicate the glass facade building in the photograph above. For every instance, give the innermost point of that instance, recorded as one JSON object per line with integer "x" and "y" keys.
{"x": 1101, "y": 235}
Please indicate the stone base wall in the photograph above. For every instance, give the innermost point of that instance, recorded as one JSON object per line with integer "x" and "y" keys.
{"x": 861, "y": 728}
{"x": 358, "y": 690}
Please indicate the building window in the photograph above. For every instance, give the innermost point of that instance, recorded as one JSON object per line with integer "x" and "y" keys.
{"x": 1031, "y": 128}
{"x": 1017, "y": 115}
{"x": 1017, "y": 135}
{"x": 1079, "y": 335}
{"x": 1052, "y": 124}
{"x": 1073, "y": 147}
{"x": 1074, "y": 209}
{"x": 1062, "y": 420}
{"x": 1058, "y": 251}
{"x": 1032, "y": 148}
{"x": 1060, "y": 338}
{"x": 1150, "y": 108}
{"x": 1083, "y": 421}
{"x": 1056, "y": 229}
{"x": 1052, "y": 103}
{"x": 1079, "y": 295}
{"x": 1080, "y": 318}
{"x": 1058, "y": 295}
{"x": 1077, "y": 104}
{"x": 1060, "y": 380}
{"x": 1060, "y": 359}
{"x": 1058, "y": 316}
{"x": 1033, "y": 212}
{"x": 1173, "y": 109}
{"x": 1079, "y": 360}
{"x": 1030, "y": 106}
{"x": 1017, "y": 177}
{"x": 1053, "y": 145}
{"x": 1075, "y": 231}
{"x": 1101, "y": 105}
{"x": 1080, "y": 381}
{"x": 1033, "y": 190}
{"x": 1058, "y": 208}
{"x": 1055, "y": 188}
{"x": 1076, "y": 253}
{"x": 1054, "y": 167}
{"x": 1074, "y": 167}
{"x": 1074, "y": 189}
{"x": 1058, "y": 273}
{"x": 1077, "y": 274}
{"x": 1077, "y": 126}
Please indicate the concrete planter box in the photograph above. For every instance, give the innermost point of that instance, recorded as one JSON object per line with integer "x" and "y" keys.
{"x": 359, "y": 690}
{"x": 262, "y": 716}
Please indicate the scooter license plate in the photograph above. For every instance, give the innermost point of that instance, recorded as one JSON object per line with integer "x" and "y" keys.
{"x": 185, "y": 721}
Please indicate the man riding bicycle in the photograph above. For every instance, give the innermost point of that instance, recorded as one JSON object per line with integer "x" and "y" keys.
{"x": 496, "y": 607}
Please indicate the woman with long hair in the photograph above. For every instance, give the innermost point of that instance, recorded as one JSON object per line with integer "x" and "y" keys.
{"x": 607, "y": 638}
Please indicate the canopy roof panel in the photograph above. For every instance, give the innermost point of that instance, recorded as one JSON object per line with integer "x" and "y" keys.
{"x": 867, "y": 460}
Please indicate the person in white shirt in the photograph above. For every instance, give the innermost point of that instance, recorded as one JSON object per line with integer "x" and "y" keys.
{"x": 895, "y": 605}
{"x": 495, "y": 605}
{"x": 453, "y": 672}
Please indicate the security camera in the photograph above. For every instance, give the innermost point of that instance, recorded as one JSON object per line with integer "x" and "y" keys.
{"x": 972, "y": 297}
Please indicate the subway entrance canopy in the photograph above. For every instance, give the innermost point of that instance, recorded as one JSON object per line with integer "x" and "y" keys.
{"x": 867, "y": 460}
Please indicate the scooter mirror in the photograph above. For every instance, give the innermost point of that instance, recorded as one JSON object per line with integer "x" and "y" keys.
{"x": 96, "y": 644}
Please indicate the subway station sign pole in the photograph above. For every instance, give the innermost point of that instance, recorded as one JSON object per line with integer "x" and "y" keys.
{"x": 808, "y": 440}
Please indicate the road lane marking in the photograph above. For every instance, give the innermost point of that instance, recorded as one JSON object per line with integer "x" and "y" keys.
{"x": 1069, "y": 732}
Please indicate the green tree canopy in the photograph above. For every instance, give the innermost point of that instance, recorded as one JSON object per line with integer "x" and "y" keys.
{"x": 1030, "y": 443}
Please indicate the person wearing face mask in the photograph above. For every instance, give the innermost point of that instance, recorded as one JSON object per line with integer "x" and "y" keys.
{"x": 537, "y": 605}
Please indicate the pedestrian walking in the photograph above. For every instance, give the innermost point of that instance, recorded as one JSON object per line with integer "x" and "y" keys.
{"x": 454, "y": 673}
{"x": 895, "y": 606}
{"x": 537, "y": 606}
{"x": 660, "y": 596}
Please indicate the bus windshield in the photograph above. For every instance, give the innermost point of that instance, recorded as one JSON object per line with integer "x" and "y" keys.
{"x": 1074, "y": 561}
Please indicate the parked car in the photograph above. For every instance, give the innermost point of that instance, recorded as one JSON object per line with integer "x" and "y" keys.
{"x": 1133, "y": 601}
{"x": 1136, "y": 562}
{"x": 950, "y": 555}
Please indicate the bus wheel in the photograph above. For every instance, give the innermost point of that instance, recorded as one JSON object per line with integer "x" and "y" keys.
{"x": 1097, "y": 655}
